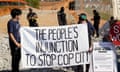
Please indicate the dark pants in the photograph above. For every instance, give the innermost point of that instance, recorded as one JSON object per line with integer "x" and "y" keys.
{"x": 80, "y": 68}
{"x": 96, "y": 26}
{"x": 16, "y": 56}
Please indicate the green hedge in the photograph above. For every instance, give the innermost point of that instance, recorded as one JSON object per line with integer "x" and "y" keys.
{"x": 34, "y": 3}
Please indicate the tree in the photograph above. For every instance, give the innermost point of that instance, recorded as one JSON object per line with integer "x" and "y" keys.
{"x": 34, "y": 3}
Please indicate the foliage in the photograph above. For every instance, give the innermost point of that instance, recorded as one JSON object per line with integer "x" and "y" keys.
{"x": 34, "y": 3}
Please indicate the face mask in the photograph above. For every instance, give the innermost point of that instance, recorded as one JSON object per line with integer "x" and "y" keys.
{"x": 84, "y": 17}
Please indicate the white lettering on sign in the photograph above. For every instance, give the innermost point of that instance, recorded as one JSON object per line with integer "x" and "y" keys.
{"x": 116, "y": 29}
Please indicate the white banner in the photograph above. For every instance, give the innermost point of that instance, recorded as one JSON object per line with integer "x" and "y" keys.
{"x": 45, "y": 47}
{"x": 103, "y": 57}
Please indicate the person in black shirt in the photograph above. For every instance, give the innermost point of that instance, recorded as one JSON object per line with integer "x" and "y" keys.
{"x": 33, "y": 20}
{"x": 29, "y": 14}
{"x": 112, "y": 20}
{"x": 13, "y": 27}
{"x": 96, "y": 20}
{"x": 31, "y": 17}
{"x": 61, "y": 17}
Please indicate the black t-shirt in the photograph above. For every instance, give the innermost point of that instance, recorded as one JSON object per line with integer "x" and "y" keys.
{"x": 33, "y": 23}
{"x": 61, "y": 18}
{"x": 97, "y": 19}
{"x": 29, "y": 15}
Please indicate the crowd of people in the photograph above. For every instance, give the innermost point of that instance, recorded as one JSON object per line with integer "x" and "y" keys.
{"x": 13, "y": 27}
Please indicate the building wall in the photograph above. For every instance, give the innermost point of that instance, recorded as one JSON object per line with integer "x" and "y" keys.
{"x": 10, "y": 3}
{"x": 51, "y": 0}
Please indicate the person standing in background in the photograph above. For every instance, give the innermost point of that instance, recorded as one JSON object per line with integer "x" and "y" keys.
{"x": 13, "y": 27}
{"x": 29, "y": 14}
{"x": 112, "y": 20}
{"x": 33, "y": 20}
{"x": 61, "y": 17}
{"x": 105, "y": 29}
{"x": 31, "y": 17}
{"x": 96, "y": 20}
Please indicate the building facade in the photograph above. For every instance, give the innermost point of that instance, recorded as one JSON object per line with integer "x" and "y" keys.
{"x": 12, "y": 2}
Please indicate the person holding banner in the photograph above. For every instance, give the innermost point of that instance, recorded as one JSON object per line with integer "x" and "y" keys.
{"x": 91, "y": 29}
{"x": 13, "y": 27}
{"x": 83, "y": 20}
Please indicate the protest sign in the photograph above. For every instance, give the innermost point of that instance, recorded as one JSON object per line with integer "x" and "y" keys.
{"x": 103, "y": 57}
{"x": 115, "y": 33}
{"x": 45, "y": 47}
